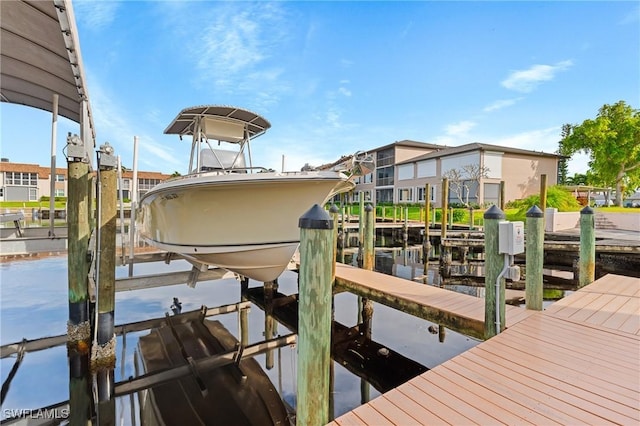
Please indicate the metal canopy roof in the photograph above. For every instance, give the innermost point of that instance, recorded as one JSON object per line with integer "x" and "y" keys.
{"x": 40, "y": 56}
{"x": 184, "y": 123}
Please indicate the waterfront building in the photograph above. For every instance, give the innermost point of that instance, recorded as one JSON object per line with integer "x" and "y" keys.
{"x": 475, "y": 171}
{"x": 30, "y": 182}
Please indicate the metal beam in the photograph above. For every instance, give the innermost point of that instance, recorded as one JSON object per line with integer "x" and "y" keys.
{"x": 50, "y": 342}
{"x": 152, "y": 379}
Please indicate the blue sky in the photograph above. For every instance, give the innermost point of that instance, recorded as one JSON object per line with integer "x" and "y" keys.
{"x": 337, "y": 77}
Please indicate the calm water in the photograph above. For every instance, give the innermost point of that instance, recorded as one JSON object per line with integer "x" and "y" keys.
{"x": 33, "y": 295}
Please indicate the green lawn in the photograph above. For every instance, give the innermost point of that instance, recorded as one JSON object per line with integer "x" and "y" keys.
{"x": 60, "y": 205}
{"x": 617, "y": 210}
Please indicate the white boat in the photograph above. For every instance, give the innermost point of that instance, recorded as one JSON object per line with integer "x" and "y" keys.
{"x": 227, "y": 213}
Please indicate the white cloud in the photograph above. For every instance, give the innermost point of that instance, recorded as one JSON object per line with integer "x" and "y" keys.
{"x": 346, "y": 63}
{"x": 235, "y": 47}
{"x": 499, "y": 104}
{"x": 333, "y": 117}
{"x": 527, "y": 80}
{"x": 95, "y": 15}
{"x": 459, "y": 129}
{"x": 344, "y": 91}
{"x": 406, "y": 30}
{"x": 113, "y": 125}
{"x": 632, "y": 17}
{"x": 545, "y": 140}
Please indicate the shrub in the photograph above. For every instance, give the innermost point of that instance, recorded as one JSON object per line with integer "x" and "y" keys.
{"x": 557, "y": 197}
{"x": 45, "y": 198}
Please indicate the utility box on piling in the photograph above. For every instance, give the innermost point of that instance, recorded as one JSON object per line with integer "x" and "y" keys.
{"x": 511, "y": 238}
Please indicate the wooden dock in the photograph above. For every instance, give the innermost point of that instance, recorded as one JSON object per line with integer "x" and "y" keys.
{"x": 577, "y": 362}
{"x": 460, "y": 312}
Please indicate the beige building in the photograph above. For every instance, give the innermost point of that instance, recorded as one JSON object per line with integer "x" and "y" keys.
{"x": 29, "y": 182}
{"x": 403, "y": 168}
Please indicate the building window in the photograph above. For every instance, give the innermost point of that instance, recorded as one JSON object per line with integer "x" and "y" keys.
{"x": 384, "y": 195}
{"x": 385, "y": 157}
{"x": 59, "y": 178}
{"x": 427, "y": 168}
{"x": 358, "y": 194}
{"x": 147, "y": 184}
{"x": 384, "y": 176}
{"x": 491, "y": 193}
{"x": 368, "y": 178}
{"x": 59, "y": 193}
{"x": 405, "y": 195}
{"x": 21, "y": 178}
{"x": 33, "y": 194}
{"x": 405, "y": 171}
{"x": 420, "y": 193}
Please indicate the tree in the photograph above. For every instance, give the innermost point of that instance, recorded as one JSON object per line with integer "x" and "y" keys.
{"x": 563, "y": 166}
{"x": 612, "y": 141}
{"x": 578, "y": 179}
{"x": 459, "y": 180}
{"x": 175, "y": 174}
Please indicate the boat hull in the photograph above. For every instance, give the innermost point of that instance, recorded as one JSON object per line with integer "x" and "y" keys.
{"x": 247, "y": 223}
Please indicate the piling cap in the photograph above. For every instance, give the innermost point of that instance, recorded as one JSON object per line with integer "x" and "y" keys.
{"x": 315, "y": 218}
{"x": 334, "y": 209}
{"x": 587, "y": 210}
{"x": 368, "y": 208}
{"x": 534, "y": 212}
{"x": 494, "y": 212}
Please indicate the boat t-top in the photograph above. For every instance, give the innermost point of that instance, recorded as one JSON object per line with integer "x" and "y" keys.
{"x": 227, "y": 212}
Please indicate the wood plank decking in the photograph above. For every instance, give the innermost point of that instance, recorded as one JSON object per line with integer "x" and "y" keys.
{"x": 578, "y": 362}
{"x": 459, "y": 312}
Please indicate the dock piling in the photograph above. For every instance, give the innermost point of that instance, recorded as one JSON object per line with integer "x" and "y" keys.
{"x": 543, "y": 192}
{"x": 426, "y": 243}
{"x": 244, "y": 313}
{"x": 446, "y": 258}
{"x": 405, "y": 227}
{"x": 103, "y": 357}
{"x": 270, "y": 326}
{"x": 587, "y": 260}
{"x": 334, "y": 211}
{"x": 493, "y": 266}
{"x": 314, "y": 317}
{"x": 365, "y": 306}
{"x": 445, "y": 206}
{"x": 471, "y": 219}
{"x": 534, "y": 258}
{"x": 78, "y": 326}
{"x": 369, "y": 231}
{"x": 360, "y": 229}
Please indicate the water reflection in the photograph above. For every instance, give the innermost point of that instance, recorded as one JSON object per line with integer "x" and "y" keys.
{"x": 34, "y": 305}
